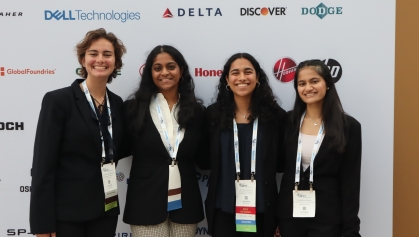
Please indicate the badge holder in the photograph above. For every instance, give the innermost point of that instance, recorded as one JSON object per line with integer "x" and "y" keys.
{"x": 174, "y": 198}
{"x": 109, "y": 185}
{"x": 304, "y": 202}
{"x": 246, "y": 204}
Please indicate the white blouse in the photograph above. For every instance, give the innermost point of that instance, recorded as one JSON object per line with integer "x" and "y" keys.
{"x": 307, "y": 142}
{"x": 169, "y": 118}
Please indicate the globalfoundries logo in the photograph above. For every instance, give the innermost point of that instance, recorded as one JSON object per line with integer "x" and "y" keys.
{"x": 321, "y": 11}
{"x": 80, "y": 15}
{"x": 26, "y": 71}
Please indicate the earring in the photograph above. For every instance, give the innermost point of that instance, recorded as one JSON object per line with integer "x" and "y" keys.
{"x": 258, "y": 83}
{"x": 182, "y": 79}
{"x": 328, "y": 88}
{"x": 227, "y": 86}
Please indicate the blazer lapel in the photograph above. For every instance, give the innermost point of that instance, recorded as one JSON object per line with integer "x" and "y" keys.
{"x": 86, "y": 113}
{"x": 155, "y": 138}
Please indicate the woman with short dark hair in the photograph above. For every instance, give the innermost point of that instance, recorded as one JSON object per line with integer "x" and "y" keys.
{"x": 77, "y": 143}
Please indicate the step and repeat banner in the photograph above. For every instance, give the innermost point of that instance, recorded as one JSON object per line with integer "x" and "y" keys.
{"x": 355, "y": 39}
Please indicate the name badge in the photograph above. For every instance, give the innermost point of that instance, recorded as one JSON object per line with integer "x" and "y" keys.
{"x": 304, "y": 203}
{"x": 246, "y": 206}
{"x": 174, "y": 200}
{"x": 109, "y": 185}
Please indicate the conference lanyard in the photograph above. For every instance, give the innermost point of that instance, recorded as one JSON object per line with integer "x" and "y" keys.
{"x": 89, "y": 99}
{"x": 313, "y": 154}
{"x": 236, "y": 149}
{"x": 172, "y": 151}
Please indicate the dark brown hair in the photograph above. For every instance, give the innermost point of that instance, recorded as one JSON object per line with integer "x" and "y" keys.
{"x": 93, "y": 36}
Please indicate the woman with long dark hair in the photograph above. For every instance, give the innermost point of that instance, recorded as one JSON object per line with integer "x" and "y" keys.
{"x": 166, "y": 137}
{"x": 246, "y": 131}
{"x": 319, "y": 194}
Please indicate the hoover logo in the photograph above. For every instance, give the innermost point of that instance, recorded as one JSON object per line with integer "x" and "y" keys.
{"x": 321, "y": 11}
{"x": 11, "y": 13}
{"x": 192, "y": 12}
{"x": 199, "y": 72}
{"x": 25, "y": 71}
{"x": 79, "y": 68}
{"x": 335, "y": 68}
{"x": 284, "y": 69}
{"x": 263, "y": 11}
{"x": 74, "y": 15}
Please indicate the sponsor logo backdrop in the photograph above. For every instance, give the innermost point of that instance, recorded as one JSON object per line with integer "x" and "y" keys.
{"x": 37, "y": 55}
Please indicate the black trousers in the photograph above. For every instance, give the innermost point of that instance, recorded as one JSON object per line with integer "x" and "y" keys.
{"x": 101, "y": 227}
{"x": 308, "y": 227}
{"x": 225, "y": 226}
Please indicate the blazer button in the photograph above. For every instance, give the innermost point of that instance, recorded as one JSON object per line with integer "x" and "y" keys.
{"x": 266, "y": 182}
{"x": 268, "y": 204}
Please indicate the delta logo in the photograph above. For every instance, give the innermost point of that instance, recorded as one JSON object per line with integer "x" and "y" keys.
{"x": 26, "y": 71}
{"x": 192, "y": 12}
{"x": 263, "y": 11}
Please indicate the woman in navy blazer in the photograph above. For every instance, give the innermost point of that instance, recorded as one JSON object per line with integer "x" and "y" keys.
{"x": 244, "y": 95}
{"x": 337, "y": 165}
{"x": 166, "y": 80}
{"x": 67, "y": 195}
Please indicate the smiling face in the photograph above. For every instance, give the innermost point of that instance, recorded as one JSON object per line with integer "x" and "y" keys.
{"x": 242, "y": 78}
{"x": 99, "y": 59}
{"x": 311, "y": 86}
{"x": 166, "y": 72}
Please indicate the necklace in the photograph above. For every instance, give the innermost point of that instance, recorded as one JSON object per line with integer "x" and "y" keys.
{"x": 315, "y": 123}
{"x": 244, "y": 115}
{"x": 100, "y": 105}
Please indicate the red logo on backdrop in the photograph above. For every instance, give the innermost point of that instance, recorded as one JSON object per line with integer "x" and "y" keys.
{"x": 2, "y": 71}
{"x": 141, "y": 69}
{"x": 167, "y": 14}
{"x": 284, "y": 69}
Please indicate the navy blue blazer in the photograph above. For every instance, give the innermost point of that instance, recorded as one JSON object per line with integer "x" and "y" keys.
{"x": 272, "y": 154}
{"x": 66, "y": 178}
{"x": 336, "y": 181}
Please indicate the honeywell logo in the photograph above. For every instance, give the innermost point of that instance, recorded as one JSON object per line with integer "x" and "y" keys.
{"x": 199, "y": 72}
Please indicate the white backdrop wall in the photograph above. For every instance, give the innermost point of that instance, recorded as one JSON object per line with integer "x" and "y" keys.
{"x": 358, "y": 35}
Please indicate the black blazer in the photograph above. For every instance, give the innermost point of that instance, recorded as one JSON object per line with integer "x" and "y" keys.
{"x": 272, "y": 151}
{"x": 336, "y": 181}
{"x": 66, "y": 178}
{"x": 146, "y": 202}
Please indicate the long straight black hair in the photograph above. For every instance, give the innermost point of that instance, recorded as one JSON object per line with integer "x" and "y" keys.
{"x": 333, "y": 116}
{"x": 189, "y": 105}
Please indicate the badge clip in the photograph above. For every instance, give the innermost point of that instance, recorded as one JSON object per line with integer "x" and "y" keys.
{"x": 173, "y": 161}
{"x": 311, "y": 187}
{"x": 253, "y": 176}
{"x": 238, "y": 177}
{"x": 296, "y": 187}
{"x": 103, "y": 161}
